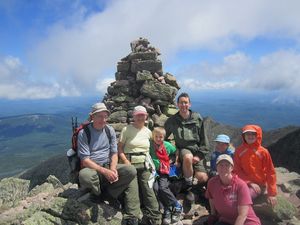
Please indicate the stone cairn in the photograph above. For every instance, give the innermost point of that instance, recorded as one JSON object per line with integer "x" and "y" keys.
{"x": 140, "y": 81}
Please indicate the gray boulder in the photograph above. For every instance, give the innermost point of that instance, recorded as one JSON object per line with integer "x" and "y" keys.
{"x": 54, "y": 206}
{"x": 150, "y": 65}
{"x": 156, "y": 90}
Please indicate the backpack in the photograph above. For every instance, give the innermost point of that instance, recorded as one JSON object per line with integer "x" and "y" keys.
{"x": 74, "y": 160}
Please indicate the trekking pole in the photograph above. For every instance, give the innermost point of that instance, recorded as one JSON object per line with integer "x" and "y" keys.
{"x": 73, "y": 128}
{"x": 74, "y": 123}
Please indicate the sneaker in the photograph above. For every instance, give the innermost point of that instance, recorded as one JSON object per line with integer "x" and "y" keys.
{"x": 176, "y": 214}
{"x": 130, "y": 221}
{"x": 166, "y": 218}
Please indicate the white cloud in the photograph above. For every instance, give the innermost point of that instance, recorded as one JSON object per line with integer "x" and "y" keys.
{"x": 82, "y": 52}
{"x": 76, "y": 52}
{"x": 192, "y": 84}
{"x": 278, "y": 71}
{"x": 11, "y": 69}
{"x": 16, "y": 83}
{"x": 102, "y": 84}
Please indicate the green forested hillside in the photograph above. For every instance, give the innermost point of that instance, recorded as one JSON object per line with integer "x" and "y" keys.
{"x": 28, "y": 139}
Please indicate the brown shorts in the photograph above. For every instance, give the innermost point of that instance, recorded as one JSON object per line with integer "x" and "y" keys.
{"x": 199, "y": 167}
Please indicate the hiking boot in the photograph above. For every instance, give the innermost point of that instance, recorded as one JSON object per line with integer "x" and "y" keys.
{"x": 130, "y": 221}
{"x": 176, "y": 214}
{"x": 95, "y": 198}
{"x": 149, "y": 221}
{"x": 155, "y": 221}
{"x": 189, "y": 195}
{"x": 166, "y": 218}
{"x": 187, "y": 185}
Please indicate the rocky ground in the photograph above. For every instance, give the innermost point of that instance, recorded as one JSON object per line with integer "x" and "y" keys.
{"x": 55, "y": 203}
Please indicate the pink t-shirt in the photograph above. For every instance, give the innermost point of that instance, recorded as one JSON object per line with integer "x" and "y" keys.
{"x": 226, "y": 199}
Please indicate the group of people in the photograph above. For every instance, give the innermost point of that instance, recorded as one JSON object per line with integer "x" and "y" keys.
{"x": 127, "y": 169}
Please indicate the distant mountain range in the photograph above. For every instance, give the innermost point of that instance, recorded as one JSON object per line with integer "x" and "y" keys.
{"x": 234, "y": 108}
{"x": 27, "y": 140}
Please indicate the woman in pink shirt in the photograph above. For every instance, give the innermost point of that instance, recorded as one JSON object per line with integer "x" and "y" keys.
{"x": 229, "y": 197}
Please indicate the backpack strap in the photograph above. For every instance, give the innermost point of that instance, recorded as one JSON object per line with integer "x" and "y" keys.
{"x": 107, "y": 131}
{"x": 87, "y": 131}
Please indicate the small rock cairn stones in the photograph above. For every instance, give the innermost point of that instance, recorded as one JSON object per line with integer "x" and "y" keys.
{"x": 140, "y": 81}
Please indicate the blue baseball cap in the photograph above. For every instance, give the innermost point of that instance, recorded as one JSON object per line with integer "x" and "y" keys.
{"x": 222, "y": 138}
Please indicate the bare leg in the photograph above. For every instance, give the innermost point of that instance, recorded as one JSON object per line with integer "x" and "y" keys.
{"x": 187, "y": 166}
{"x": 201, "y": 177}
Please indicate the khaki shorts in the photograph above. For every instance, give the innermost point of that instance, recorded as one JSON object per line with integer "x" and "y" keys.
{"x": 199, "y": 167}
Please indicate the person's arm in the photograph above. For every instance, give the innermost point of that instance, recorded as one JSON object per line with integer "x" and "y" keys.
{"x": 242, "y": 214}
{"x": 237, "y": 168}
{"x": 114, "y": 162}
{"x": 213, "y": 217}
{"x": 204, "y": 144}
{"x": 113, "y": 150}
{"x": 121, "y": 146}
{"x": 212, "y": 208}
{"x": 213, "y": 214}
{"x": 171, "y": 149}
{"x": 177, "y": 160}
{"x": 168, "y": 129}
{"x": 255, "y": 187}
{"x": 244, "y": 201}
{"x": 122, "y": 154}
{"x": 213, "y": 158}
{"x": 271, "y": 181}
{"x": 110, "y": 175}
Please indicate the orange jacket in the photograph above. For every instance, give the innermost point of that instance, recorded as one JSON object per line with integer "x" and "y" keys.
{"x": 253, "y": 163}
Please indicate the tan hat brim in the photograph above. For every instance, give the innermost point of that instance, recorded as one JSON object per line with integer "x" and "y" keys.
{"x": 99, "y": 110}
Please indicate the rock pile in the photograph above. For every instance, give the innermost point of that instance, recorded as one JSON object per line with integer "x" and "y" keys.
{"x": 140, "y": 81}
{"x": 55, "y": 203}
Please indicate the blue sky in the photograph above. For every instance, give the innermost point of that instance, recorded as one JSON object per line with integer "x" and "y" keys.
{"x": 53, "y": 48}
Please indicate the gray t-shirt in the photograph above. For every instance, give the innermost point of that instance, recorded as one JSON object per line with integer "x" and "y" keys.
{"x": 99, "y": 150}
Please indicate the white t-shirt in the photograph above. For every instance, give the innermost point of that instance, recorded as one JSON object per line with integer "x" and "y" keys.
{"x": 135, "y": 140}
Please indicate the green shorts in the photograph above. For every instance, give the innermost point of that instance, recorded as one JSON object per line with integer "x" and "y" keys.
{"x": 200, "y": 166}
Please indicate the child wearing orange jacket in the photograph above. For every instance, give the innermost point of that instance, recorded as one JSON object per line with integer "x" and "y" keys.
{"x": 253, "y": 164}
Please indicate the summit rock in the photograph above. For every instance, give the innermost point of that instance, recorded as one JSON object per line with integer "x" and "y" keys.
{"x": 140, "y": 80}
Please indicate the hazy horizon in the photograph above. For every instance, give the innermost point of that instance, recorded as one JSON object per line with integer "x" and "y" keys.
{"x": 231, "y": 108}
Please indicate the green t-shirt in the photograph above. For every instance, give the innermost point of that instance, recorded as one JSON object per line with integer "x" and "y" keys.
{"x": 171, "y": 149}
